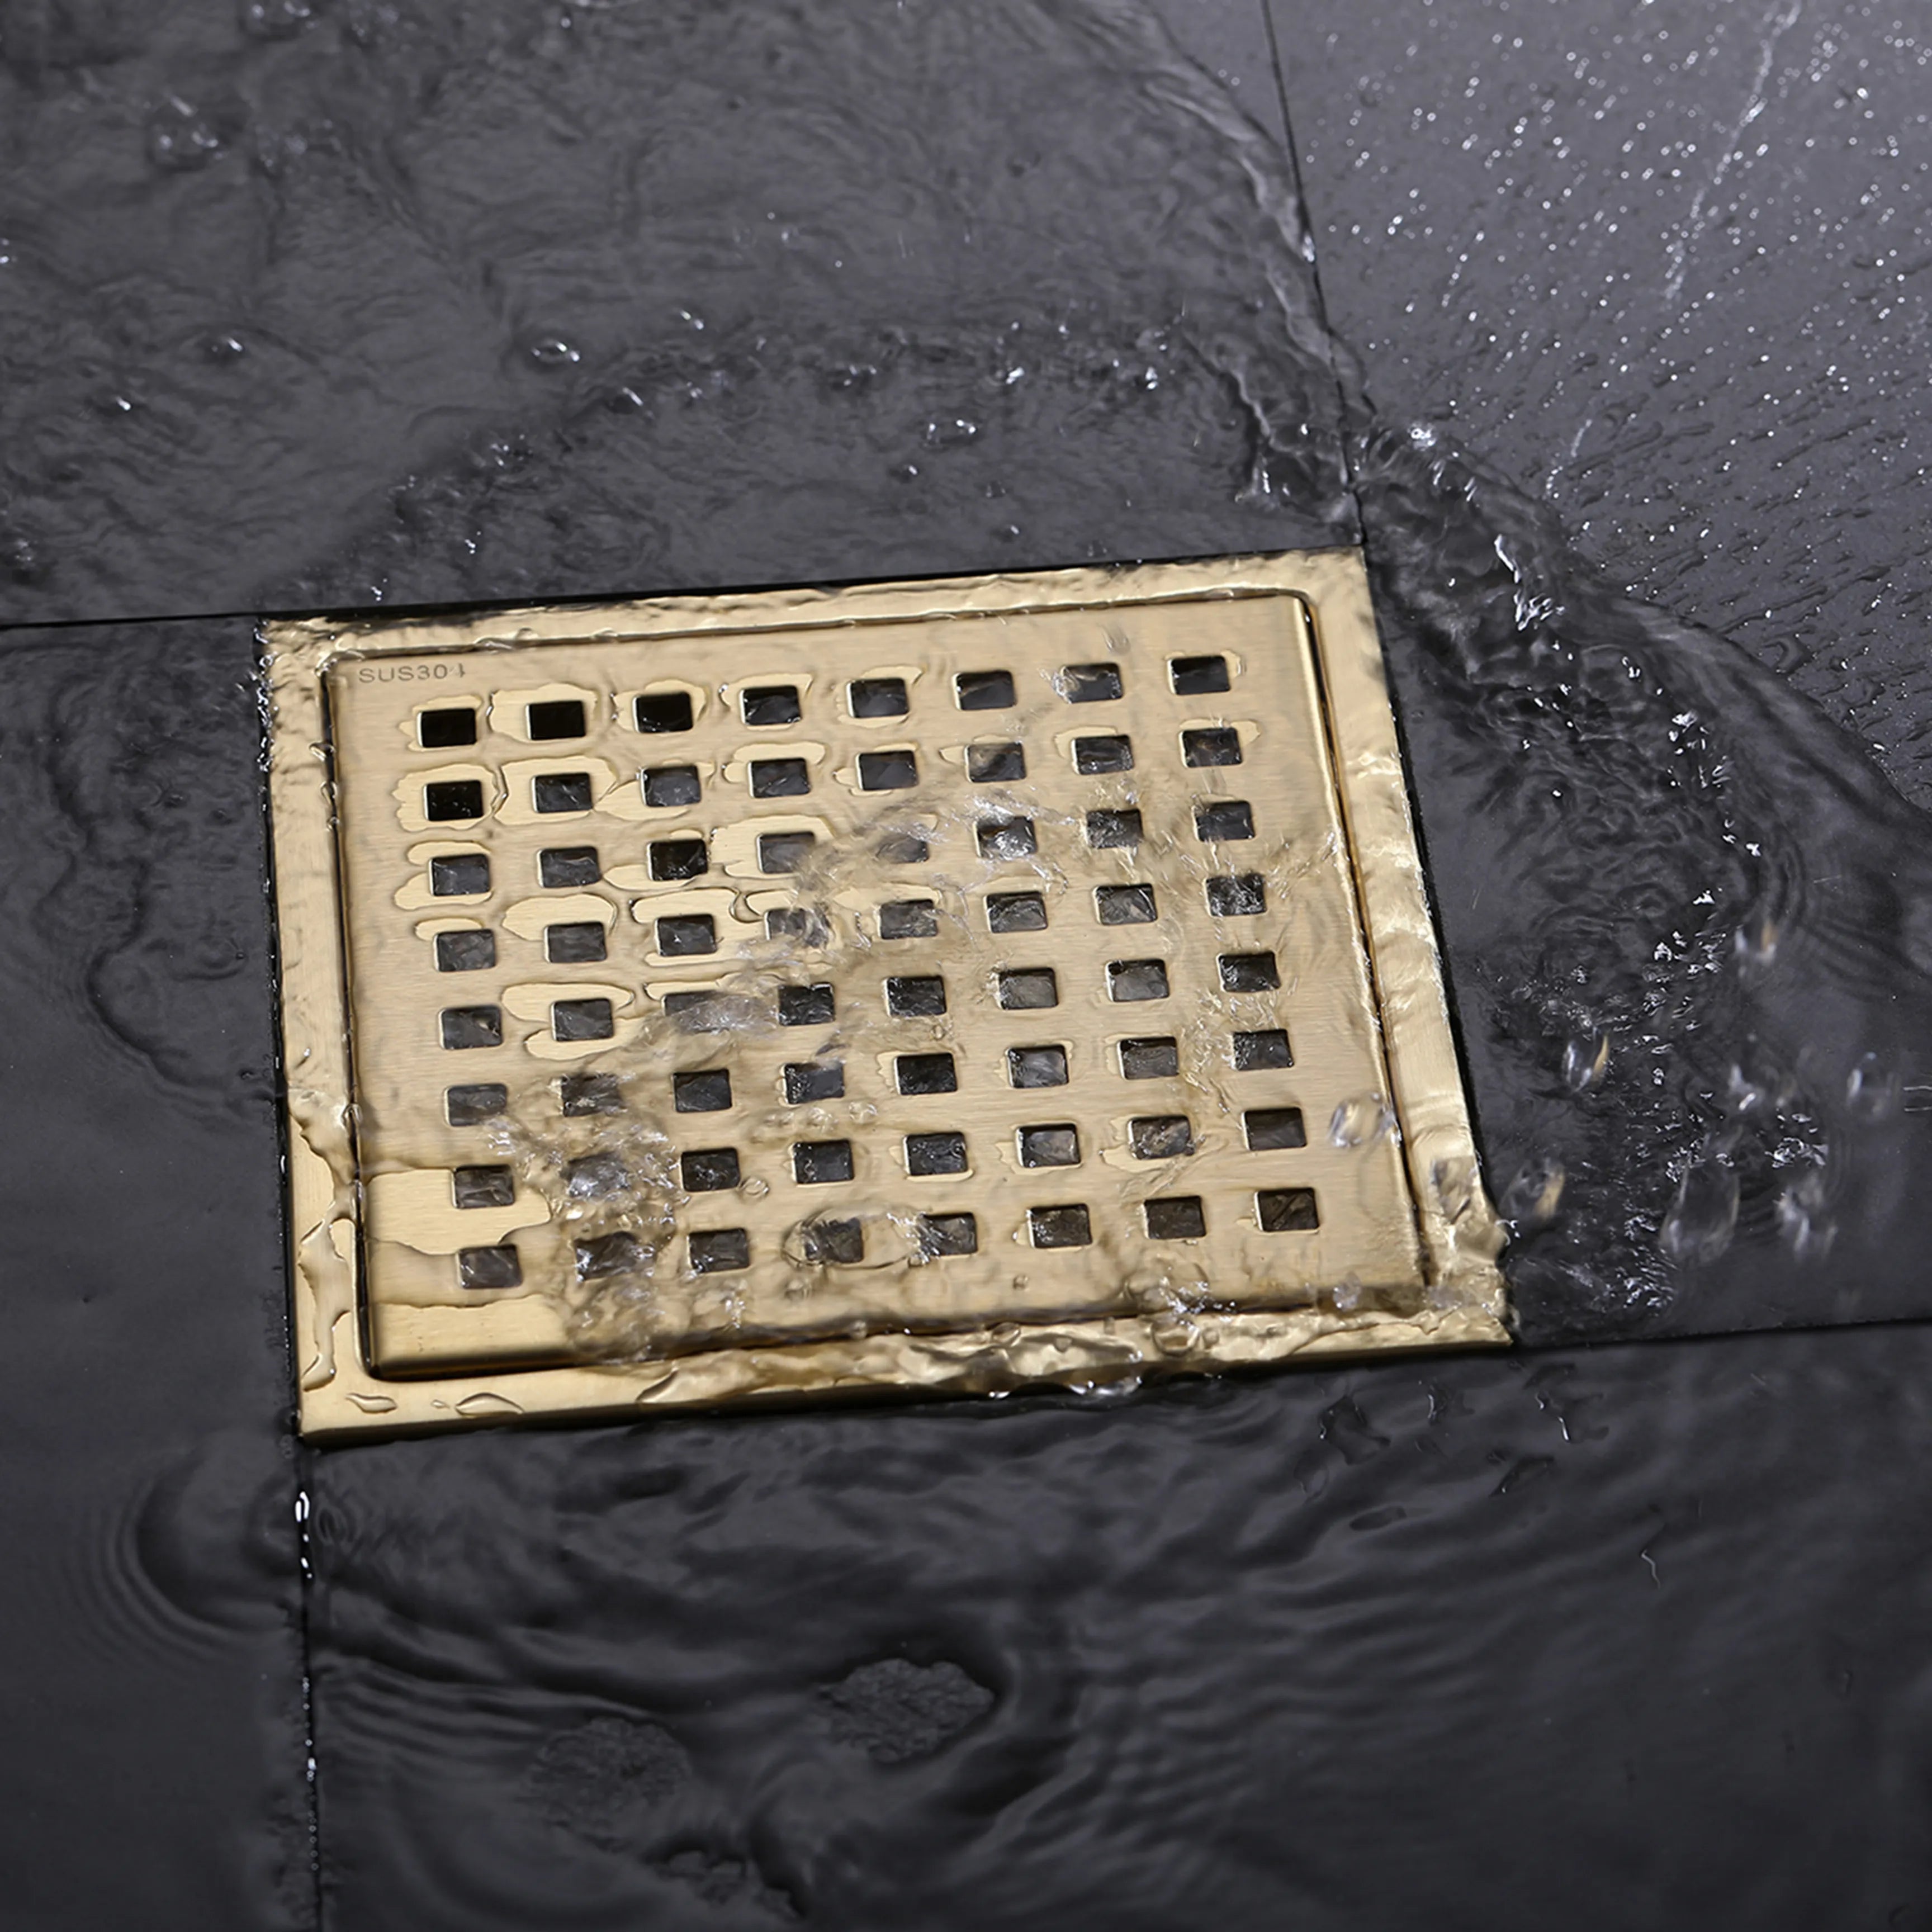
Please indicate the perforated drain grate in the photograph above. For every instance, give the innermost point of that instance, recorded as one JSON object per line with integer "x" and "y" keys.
{"x": 955, "y": 984}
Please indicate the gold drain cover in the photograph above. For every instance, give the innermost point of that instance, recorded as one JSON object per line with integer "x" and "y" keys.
{"x": 961, "y": 985}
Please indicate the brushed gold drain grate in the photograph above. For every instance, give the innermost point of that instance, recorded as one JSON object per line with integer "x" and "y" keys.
{"x": 955, "y": 984}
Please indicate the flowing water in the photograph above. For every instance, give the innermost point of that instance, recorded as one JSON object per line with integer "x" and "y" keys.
{"x": 1690, "y": 926}
{"x": 409, "y": 305}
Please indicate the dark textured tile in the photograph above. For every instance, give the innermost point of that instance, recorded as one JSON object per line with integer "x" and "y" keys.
{"x": 250, "y": 367}
{"x": 150, "y": 1617}
{"x": 1644, "y": 260}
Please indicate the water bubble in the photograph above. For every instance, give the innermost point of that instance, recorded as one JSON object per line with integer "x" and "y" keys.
{"x": 1757, "y": 1095}
{"x": 1454, "y": 1182}
{"x": 1801, "y": 1220}
{"x": 1703, "y": 1216}
{"x": 1172, "y": 1333}
{"x": 952, "y": 432}
{"x": 1585, "y": 1063}
{"x": 180, "y": 137}
{"x": 275, "y": 19}
{"x": 1872, "y": 1090}
{"x": 1360, "y": 1121}
{"x": 1755, "y": 946}
{"x": 488, "y": 1403}
{"x": 1531, "y": 1200}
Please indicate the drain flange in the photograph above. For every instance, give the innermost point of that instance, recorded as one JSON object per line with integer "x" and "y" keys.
{"x": 941, "y": 985}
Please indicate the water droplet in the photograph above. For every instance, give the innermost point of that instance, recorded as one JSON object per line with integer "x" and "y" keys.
{"x": 275, "y": 19}
{"x": 1531, "y": 1199}
{"x": 1755, "y": 946}
{"x": 180, "y": 137}
{"x": 1704, "y": 1216}
{"x": 1585, "y": 1063}
{"x": 1871, "y": 1089}
{"x": 1360, "y": 1121}
{"x": 487, "y": 1401}
{"x": 1454, "y": 1182}
{"x": 949, "y": 432}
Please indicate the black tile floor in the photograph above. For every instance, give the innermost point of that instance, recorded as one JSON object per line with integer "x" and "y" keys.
{"x": 328, "y": 305}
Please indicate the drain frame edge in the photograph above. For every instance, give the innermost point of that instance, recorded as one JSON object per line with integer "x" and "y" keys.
{"x": 340, "y": 1394}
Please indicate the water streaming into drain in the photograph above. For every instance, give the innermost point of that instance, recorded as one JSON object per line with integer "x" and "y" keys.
{"x": 798, "y": 1091}
{"x": 1689, "y": 927}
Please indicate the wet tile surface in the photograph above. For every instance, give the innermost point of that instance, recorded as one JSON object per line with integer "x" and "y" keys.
{"x": 1651, "y": 262}
{"x": 151, "y": 1611}
{"x": 1632, "y": 1636}
{"x": 318, "y": 306}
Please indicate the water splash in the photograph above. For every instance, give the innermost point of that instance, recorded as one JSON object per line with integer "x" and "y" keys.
{"x": 1688, "y": 923}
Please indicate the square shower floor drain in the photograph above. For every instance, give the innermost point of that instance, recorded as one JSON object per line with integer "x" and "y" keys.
{"x": 958, "y": 985}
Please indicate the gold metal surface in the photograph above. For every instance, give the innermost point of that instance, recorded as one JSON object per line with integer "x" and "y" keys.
{"x": 958, "y": 985}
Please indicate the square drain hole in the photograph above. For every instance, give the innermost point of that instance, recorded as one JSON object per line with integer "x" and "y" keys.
{"x": 913, "y": 972}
